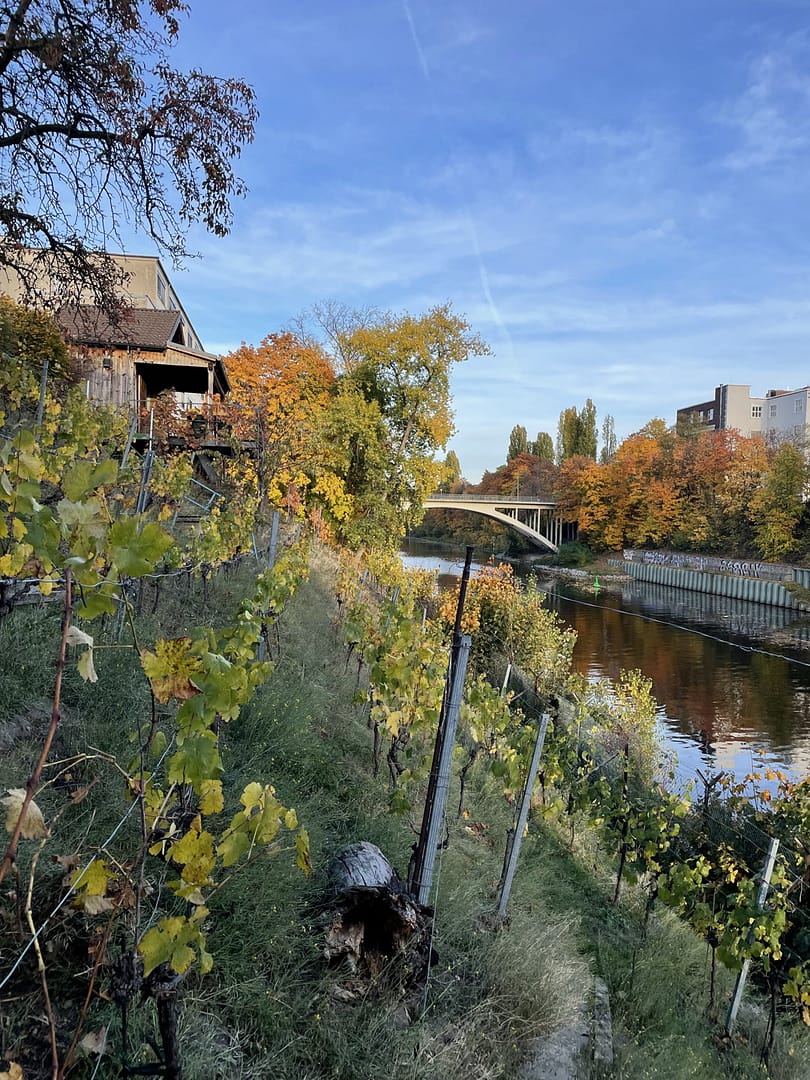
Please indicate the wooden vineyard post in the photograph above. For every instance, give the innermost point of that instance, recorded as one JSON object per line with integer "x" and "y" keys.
{"x": 739, "y": 986}
{"x": 516, "y": 835}
{"x": 420, "y": 879}
{"x": 440, "y": 779}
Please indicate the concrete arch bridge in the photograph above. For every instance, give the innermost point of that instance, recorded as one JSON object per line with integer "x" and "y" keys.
{"x": 534, "y": 517}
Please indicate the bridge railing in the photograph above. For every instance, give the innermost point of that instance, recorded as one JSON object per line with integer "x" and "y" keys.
{"x": 498, "y": 499}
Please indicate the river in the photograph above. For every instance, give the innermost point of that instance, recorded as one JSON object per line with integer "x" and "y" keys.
{"x": 732, "y": 678}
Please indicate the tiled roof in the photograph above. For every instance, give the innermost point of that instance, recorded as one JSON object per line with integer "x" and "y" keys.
{"x": 142, "y": 328}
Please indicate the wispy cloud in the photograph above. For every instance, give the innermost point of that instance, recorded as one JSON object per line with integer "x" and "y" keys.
{"x": 771, "y": 117}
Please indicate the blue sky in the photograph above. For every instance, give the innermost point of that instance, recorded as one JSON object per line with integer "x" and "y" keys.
{"x": 617, "y": 196}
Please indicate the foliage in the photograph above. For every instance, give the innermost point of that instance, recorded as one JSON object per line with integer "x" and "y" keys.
{"x": 31, "y": 338}
{"x": 512, "y": 625}
{"x": 279, "y": 389}
{"x": 609, "y": 444}
{"x": 701, "y": 490}
{"x": 543, "y": 447}
{"x": 778, "y": 506}
{"x": 391, "y": 414}
{"x": 573, "y": 553}
{"x": 576, "y": 432}
{"x": 518, "y": 442}
{"x": 197, "y": 683}
{"x": 95, "y": 118}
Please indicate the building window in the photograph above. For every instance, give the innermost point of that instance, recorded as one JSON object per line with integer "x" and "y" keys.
{"x": 798, "y": 405}
{"x": 772, "y": 411}
{"x": 172, "y": 304}
{"x": 756, "y": 410}
{"x": 161, "y": 289}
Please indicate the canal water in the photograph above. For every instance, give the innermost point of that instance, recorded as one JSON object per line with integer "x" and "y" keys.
{"x": 732, "y": 678}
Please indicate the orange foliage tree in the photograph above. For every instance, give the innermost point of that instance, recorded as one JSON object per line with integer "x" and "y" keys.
{"x": 279, "y": 390}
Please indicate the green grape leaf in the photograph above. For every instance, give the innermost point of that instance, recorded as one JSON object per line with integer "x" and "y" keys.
{"x": 98, "y": 602}
{"x": 196, "y": 761}
{"x": 136, "y": 553}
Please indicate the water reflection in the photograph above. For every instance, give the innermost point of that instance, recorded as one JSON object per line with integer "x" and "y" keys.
{"x": 726, "y": 695}
{"x": 733, "y": 683}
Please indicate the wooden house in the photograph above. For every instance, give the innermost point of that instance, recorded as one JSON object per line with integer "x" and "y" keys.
{"x": 130, "y": 361}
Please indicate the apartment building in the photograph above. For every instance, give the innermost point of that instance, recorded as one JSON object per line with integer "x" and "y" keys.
{"x": 731, "y": 407}
{"x": 779, "y": 416}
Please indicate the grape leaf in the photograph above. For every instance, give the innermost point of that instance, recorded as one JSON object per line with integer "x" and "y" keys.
{"x": 136, "y": 553}
{"x": 196, "y": 761}
{"x": 170, "y": 668}
{"x": 33, "y": 826}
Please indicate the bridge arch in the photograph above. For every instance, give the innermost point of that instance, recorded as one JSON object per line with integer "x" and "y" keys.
{"x": 534, "y": 518}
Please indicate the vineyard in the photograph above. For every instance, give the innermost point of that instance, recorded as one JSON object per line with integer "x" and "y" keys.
{"x": 185, "y": 739}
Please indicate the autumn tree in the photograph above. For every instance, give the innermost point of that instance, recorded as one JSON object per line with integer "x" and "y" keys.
{"x": 397, "y": 368}
{"x": 634, "y": 499}
{"x": 279, "y": 389}
{"x": 30, "y": 338}
{"x": 96, "y": 128}
{"x": 543, "y": 446}
{"x": 518, "y": 442}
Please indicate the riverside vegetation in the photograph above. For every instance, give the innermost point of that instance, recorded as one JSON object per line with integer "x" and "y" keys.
{"x": 188, "y": 738}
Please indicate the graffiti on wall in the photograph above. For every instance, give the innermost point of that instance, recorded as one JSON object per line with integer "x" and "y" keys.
{"x": 739, "y": 567}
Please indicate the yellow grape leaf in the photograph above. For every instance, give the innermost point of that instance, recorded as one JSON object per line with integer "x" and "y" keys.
{"x": 33, "y": 826}
{"x": 86, "y": 667}
{"x": 75, "y": 636}
{"x": 170, "y": 668}
{"x": 91, "y": 887}
{"x": 303, "y": 861}
{"x": 13, "y": 1072}
{"x": 211, "y": 798}
{"x": 195, "y": 853}
{"x": 291, "y": 820}
{"x": 233, "y": 846}
{"x": 252, "y": 795}
{"x": 46, "y": 588}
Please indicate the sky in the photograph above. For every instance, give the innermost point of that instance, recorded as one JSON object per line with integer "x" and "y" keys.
{"x": 615, "y": 196}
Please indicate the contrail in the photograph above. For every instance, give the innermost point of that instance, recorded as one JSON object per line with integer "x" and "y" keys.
{"x": 483, "y": 274}
{"x": 482, "y": 269}
{"x": 416, "y": 42}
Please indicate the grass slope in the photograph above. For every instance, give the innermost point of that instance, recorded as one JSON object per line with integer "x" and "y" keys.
{"x": 268, "y": 1008}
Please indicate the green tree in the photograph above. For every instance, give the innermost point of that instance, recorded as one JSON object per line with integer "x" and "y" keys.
{"x": 452, "y": 468}
{"x": 543, "y": 446}
{"x": 94, "y": 117}
{"x": 586, "y": 431}
{"x": 567, "y": 427}
{"x": 518, "y": 442}
{"x": 576, "y": 432}
{"x": 778, "y": 507}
